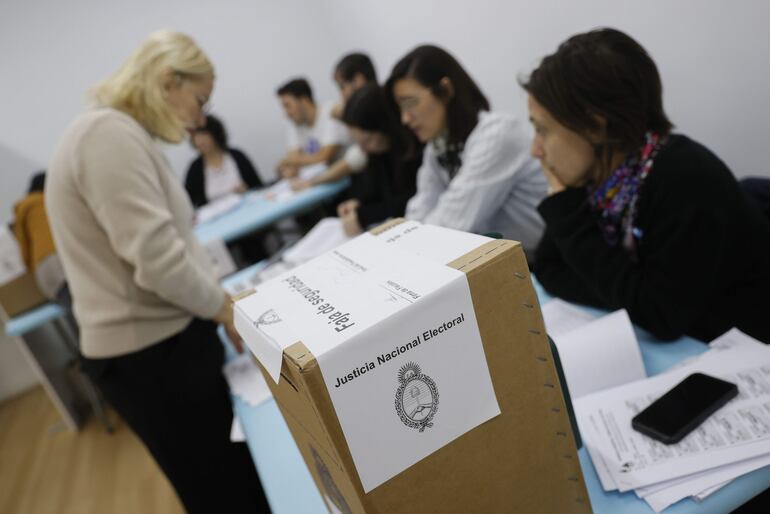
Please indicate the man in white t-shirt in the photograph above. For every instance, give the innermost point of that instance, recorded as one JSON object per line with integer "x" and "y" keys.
{"x": 351, "y": 73}
{"x": 314, "y": 135}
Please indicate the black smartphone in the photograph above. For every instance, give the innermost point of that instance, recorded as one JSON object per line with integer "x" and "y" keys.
{"x": 688, "y": 404}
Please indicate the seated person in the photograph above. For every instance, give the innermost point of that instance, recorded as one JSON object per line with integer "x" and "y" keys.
{"x": 476, "y": 174}
{"x": 219, "y": 170}
{"x": 382, "y": 190}
{"x": 38, "y": 252}
{"x": 351, "y": 73}
{"x": 314, "y": 135}
{"x": 637, "y": 217}
{"x": 758, "y": 191}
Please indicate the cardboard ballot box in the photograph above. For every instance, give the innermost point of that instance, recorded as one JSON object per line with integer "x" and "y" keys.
{"x": 519, "y": 457}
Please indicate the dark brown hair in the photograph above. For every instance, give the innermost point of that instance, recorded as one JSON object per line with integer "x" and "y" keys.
{"x": 369, "y": 109}
{"x": 428, "y": 64}
{"x": 298, "y": 88}
{"x": 354, "y": 63}
{"x": 216, "y": 129}
{"x": 602, "y": 73}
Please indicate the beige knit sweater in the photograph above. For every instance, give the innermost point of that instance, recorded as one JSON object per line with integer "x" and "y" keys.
{"x": 122, "y": 223}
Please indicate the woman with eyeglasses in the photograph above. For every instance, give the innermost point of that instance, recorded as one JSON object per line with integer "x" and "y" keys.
{"x": 142, "y": 287}
{"x": 639, "y": 217}
{"x": 476, "y": 174}
{"x": 219, "y": 170}
{"x": 382, "y": 189}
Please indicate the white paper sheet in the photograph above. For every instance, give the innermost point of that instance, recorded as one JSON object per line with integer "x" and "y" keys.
{"x": 437, "y": 244}
{"x": 702, "y": 483}
{"x": 11, "y": 265}
{"x": 282, "y": 191}
{"x": 315, "y": 301}
{"x": 561, "y": 317}
{"x": 708, "y": 492}
{"x": 734, "y": 338}
{"x": 236, "y": 431}
{"x": 730, "y": 339}
{"x": 250, "y": 281}
{"x": 246, "y": 380}
{"x": 738, "y": 431}
{"x": 600, "y": 354}
{"x": 326, "y": 235}
{"x": 218, "y": 207}
{"x": 220, "y": 257}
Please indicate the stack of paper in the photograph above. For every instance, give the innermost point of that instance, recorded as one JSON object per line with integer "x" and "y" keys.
{"x": 326, "y": 235}
{"x": 218, "y": 207}
{"x": 733, "y": 441}
{"x": 282, "y": 191}
{"x": 245, "y": 381}
{"x": 221, "y": 260}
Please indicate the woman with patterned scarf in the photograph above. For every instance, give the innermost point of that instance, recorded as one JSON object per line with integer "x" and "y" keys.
{"x": 476, "y": 173}
{"x": 638, "y": 217}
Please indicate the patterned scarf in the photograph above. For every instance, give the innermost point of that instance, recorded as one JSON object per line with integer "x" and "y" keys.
{"x": 448, "y": 155}
{"x": 614, "y": 201}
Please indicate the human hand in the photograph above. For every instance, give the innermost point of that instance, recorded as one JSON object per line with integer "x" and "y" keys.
{"x": 288, "y": 170}
{"x": 225, "y": 318}
{"x": 240, "y": 188}
{"x": 555, "y": 185}
{"x": 350, "y": 223}
{"x": 347, "y": 206}
{"x": 337, "y": 110}
{"x": 299, "y": 184}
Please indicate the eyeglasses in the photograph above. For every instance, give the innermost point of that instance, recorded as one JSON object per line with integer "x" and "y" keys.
{"x": 204, "y": 103}
{"x": 409, "y": 104}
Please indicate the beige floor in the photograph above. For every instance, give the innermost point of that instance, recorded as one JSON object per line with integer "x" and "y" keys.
{"x": 45, "y": 469}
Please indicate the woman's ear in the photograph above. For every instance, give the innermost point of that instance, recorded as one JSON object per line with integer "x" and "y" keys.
{"x": 599, "y": 135}
{"x": 446, "y": 88}
{"x": 169, "y": 80}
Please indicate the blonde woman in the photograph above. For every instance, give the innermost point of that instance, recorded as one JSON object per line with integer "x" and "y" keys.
{"x": 143, "y": 294}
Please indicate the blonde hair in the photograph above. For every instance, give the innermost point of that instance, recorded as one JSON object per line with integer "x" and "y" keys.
{"x": 137, "y": 89}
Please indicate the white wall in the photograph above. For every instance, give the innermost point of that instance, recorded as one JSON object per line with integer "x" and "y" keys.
{"x": 713, "y": 55}
{"x": 52, "y": 52}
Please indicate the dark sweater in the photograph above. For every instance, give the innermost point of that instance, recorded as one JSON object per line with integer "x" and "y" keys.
{"x": 384, "y": 188}
{"x": 196, "y": 187}
{"x": 703, "y": 261}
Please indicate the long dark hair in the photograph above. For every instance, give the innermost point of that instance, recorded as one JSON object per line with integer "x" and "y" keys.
{"x": 428, "y": 64}
{"x": 216, "y": 129}
{"x": 602, "y": 73}
{"x": 368, "y": 109}
{"x": 354, "y": 63}
{"x": 37, "y": 183}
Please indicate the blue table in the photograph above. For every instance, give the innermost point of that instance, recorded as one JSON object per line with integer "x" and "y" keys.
{"x": 32, "y": 319}
{"x": 253, "y": 213}
{"x": 290, "y": 487}
{"x": 51, "y": 362}
{"x": 658, "y": 357}
{"x": 256, "y": 212}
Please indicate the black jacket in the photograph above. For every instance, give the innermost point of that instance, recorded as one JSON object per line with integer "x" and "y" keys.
{"x": 385, "y": 187}
{"x": 703, "y": 261}
{"x": 194, "y": 180}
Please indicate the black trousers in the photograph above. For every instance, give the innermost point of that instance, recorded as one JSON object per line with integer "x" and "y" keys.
{"x": 174, "y": 396}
